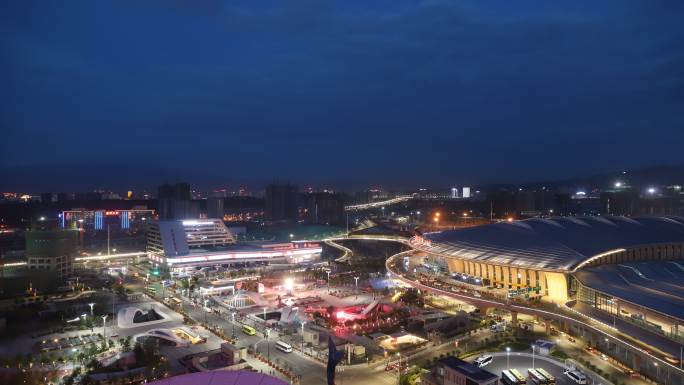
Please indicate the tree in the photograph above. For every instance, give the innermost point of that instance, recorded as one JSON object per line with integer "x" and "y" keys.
{"x": 139, "y": 353}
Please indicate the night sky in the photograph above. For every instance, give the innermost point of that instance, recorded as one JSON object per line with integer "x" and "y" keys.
{"x": 348, "y": 94}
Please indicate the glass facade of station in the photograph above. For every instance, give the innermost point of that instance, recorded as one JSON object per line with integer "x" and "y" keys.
{"x": 597, "y": 300}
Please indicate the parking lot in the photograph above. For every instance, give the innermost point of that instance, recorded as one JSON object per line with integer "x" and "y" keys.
{"x": 522, "y": 363}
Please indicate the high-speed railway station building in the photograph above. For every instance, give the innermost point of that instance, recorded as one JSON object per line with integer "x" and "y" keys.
{"x": 626, "y": 266}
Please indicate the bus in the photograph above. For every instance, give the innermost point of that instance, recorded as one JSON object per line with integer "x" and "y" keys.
{"x": 551, "y": 380}
{"x": 512, "y": 377}
{"x": 282, "y": 346}
{"x": 250, "y": 331}
{"x": 536, "y": 378}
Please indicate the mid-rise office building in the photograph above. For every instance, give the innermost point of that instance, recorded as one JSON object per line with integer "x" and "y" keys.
{"x": 101, "y": 220}
{"x": 325, "y": 208}
{"x": 175, "y": 202}
{"x": 51, "y": 250}
{"x": 215, "y": 207}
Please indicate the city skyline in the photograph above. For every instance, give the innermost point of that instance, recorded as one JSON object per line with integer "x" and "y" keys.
{"x": 638, "y": 179}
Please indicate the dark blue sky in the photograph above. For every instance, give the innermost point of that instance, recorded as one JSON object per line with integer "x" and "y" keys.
{"x": 346, "y": 94}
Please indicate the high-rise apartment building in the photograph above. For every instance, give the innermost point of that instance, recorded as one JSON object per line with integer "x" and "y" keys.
{"x": 281, "y": 202}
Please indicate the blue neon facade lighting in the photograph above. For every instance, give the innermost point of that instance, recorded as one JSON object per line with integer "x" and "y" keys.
{"x": 99, "y": 220}
{"x": 125, "y": 219}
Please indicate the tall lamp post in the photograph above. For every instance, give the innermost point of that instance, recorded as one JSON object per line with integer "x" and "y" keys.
{"x": 328, "y": 271}
{"x": 303, "y": 337}
{"x": 508, "y": 361}
{"x": 399, "y": 369}
{"x": 104, "y": 327}
{"x": 268, "y": 344}
{"x": 532, "y": 356}
{"x": 91, "y": 308}
{"x": 232, "y": 315}
{"x": 356, "y": 283}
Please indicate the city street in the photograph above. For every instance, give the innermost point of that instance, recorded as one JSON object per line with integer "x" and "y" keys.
{"x": 312, "y": 372}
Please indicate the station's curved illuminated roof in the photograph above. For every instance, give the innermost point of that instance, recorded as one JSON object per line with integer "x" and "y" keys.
{"x": 559, "y": 243}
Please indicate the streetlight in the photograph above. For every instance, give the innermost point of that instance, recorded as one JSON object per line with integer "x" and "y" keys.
{"x": 268, "y": 345}
{"x": 328, "y": 271}
{"x": 91, "y": 308}
{"x": 104, "y": 327}
{"x": 206, "y": 309}
{"x": 232, "y": 315}
{"x": 303, "y": 337}
{"x": 532, "y": 356}
{"x": 264, "y": 315}
{"x": 356, "y": 283}
{"x": 508, "y": 360}
{"x": 399, "y": 369}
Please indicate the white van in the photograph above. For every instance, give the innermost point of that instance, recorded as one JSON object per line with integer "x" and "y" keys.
{"x": 576, "y": 376}
{"x": 483, "y": 360}
{"x": 282, "y": 346}
{"x": 497, "y": 328}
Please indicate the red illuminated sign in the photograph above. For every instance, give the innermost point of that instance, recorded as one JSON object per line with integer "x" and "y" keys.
{"x": 111, "y": 213}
